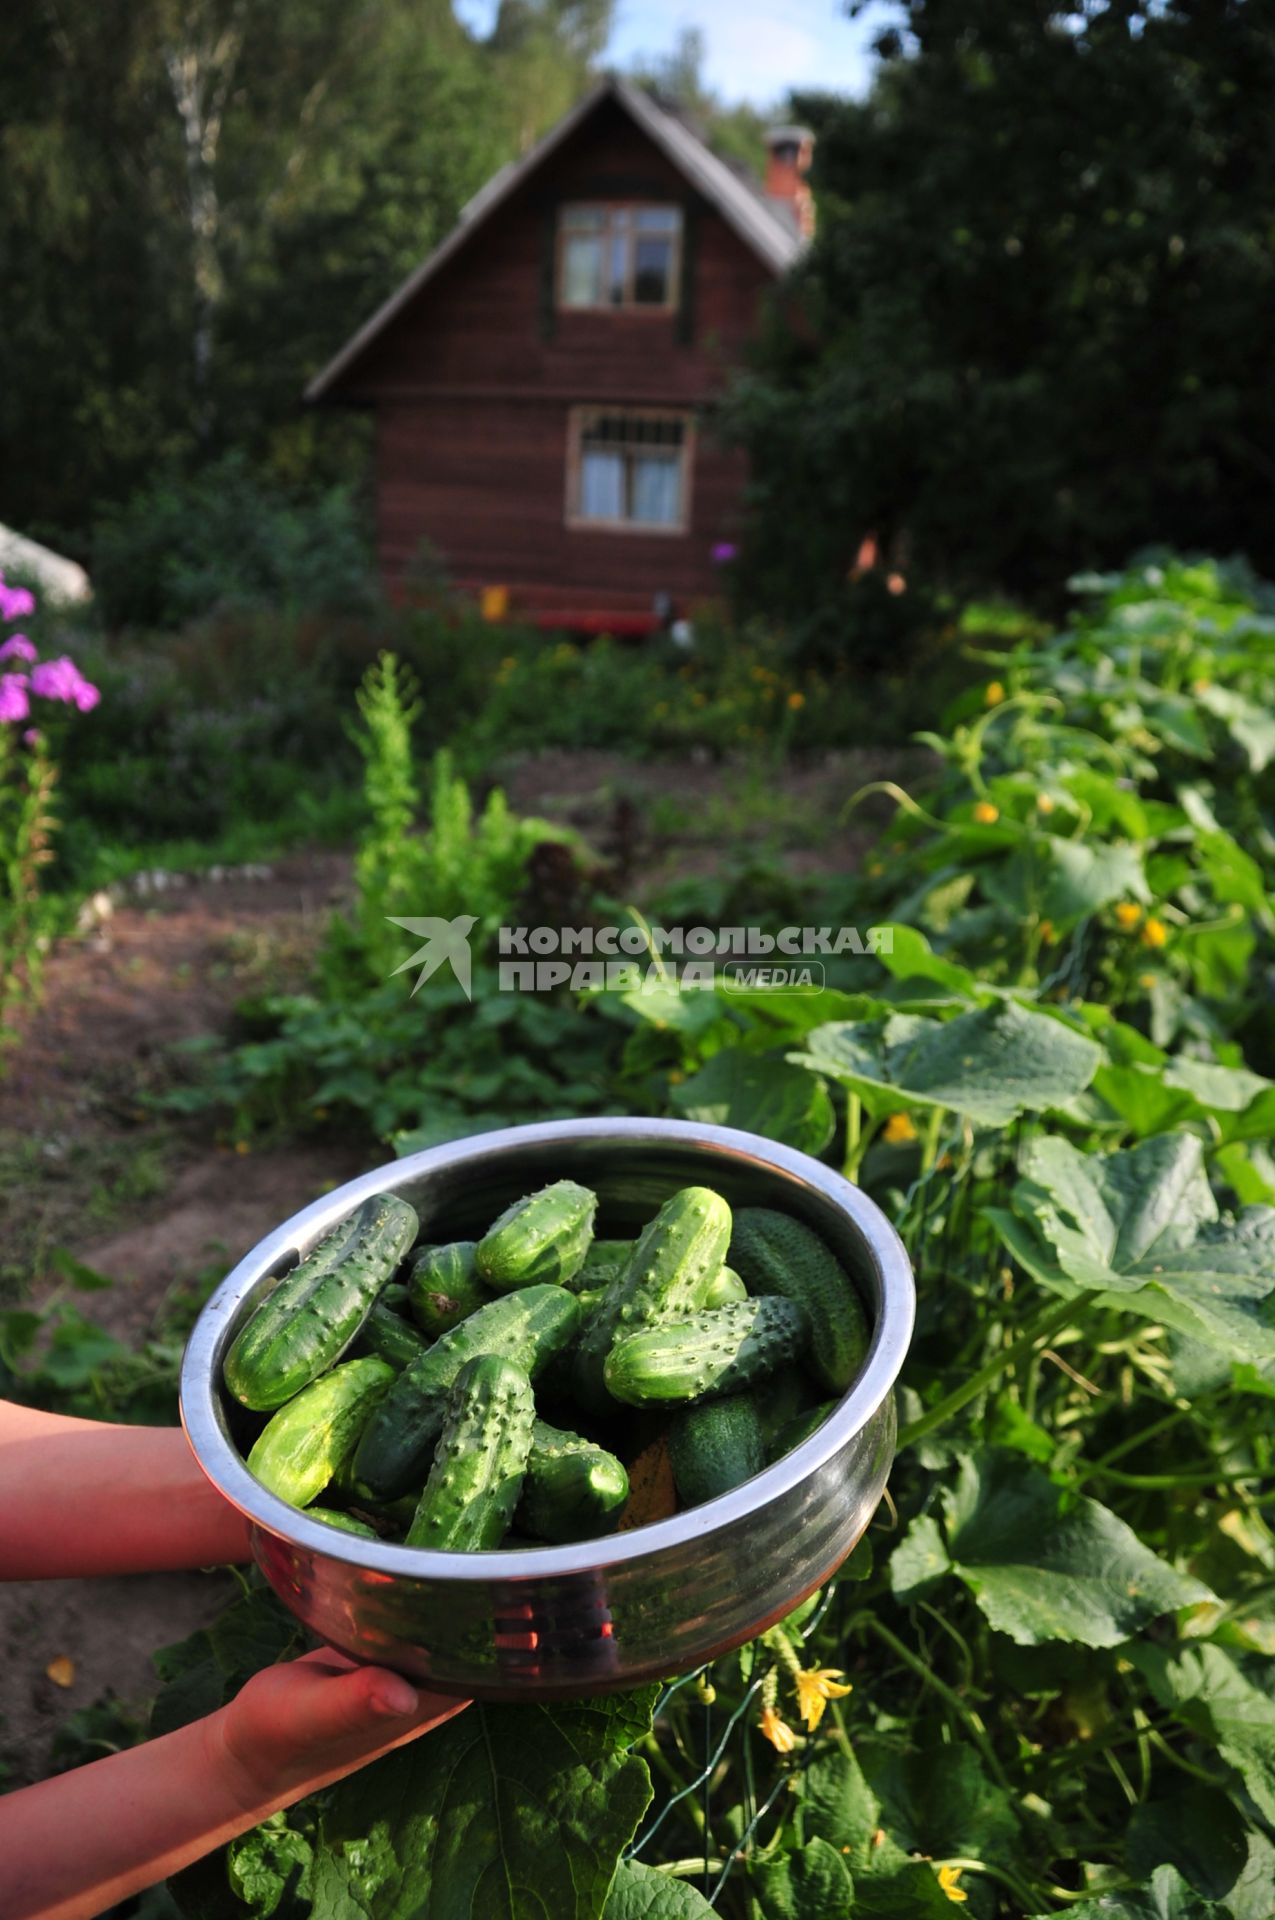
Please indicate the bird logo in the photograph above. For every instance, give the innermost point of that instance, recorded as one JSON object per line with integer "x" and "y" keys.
{"x": 444, "y": 940}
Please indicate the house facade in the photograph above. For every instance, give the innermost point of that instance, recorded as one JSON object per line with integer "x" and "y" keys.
{"x": 540, "y": 382}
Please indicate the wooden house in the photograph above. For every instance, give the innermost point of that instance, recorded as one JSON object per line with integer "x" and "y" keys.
{"x": 540, "y": 381}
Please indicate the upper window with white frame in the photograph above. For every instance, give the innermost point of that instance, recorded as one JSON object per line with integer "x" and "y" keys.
{"x": 629, "y": 471}
{"x": 617, "y": 257}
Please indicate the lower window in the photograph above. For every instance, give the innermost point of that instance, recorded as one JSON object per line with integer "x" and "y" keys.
{"x": 629, "y": 470}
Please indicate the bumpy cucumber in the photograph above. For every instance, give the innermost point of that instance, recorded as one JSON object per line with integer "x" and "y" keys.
{"x": 542, "y": 1238}
{"x": 704, "y": 1355}
{"x": 674, "y": 1259}
{"x": 309, "y": 1441}
{"x": 478, "y": 1470}
{"x": 795, "y": 1431}
{"x": 443, "y": 1286}
{"x": 714, "y": 1447}
{"x": 574, "y": 1490}
{"x": 722, "y": 1290}
{"x": 776, "y": 1254}
{"x": 315, "y": 1311}
{"x": 390, "y": 1336}
{"x": 529, "y": 1326}
{"x": 346, "y": 1521}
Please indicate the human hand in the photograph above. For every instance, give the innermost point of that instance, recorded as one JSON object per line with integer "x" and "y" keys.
{"x": 296, "y": 1726}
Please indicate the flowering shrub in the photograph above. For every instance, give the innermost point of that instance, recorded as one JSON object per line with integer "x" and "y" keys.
{"x": 27, "y": 777}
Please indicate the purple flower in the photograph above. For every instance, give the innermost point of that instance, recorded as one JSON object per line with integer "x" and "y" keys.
{"x": 14, "y": 704}
{"x": 723, "y": 553}
{"x": 17, "y": 647}
{"x": 15, "y": 602}
{"x": 31, "y": 738}
{"x": 62, "y": 680}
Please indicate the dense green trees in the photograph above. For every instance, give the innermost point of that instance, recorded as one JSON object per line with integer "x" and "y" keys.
{"x": 1039, "y": 309}
{"x": 201, "y": 199}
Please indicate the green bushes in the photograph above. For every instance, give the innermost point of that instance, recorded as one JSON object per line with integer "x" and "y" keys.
{"x": 357, "y": 1049}
{"x": 229, "y": 537}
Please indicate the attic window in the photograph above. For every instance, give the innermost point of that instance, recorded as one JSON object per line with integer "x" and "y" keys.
{"x": 629, "y": 470}
{"x": 613, "y": 256}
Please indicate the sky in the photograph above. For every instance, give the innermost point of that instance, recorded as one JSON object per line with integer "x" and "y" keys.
{"x": 755, "y": 49}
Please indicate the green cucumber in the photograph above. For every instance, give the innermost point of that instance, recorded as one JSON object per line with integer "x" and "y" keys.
{"x": 308, "y": 1442}
{"x": 542, "y": 1238}
{"x": 714, "y": 1447}
{"x": 574, "y": 1490}
{"x": 795, "y": 1431}
{"x": 530, "y": 1326}
{"x": 722, "y": 1290}
{"x": 443, "y": 1286}
{"x": 392, "y": 1337}
{"x": 675, "y": 1257}
{"x": 311, "y": 1316}
{"x": 478, "y": 1470}
{"x": 777, "y": 1254}
{"x": 704, "y": 1355}
{"x": 784, "y": 1395}
{"x": 346, "y": 1521}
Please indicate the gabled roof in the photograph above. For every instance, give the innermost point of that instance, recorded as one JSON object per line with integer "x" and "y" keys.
{"x": 760, "y": 224}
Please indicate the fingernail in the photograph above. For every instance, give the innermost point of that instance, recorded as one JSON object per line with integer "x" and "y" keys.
{"x": 394, "y": 1697}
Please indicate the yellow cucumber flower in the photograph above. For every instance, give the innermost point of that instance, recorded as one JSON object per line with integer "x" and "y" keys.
{"x": 780, "y": 1735}
{"x": 948, "y": 1877}
{"x": 994, "y": 693}
{"x": 986, "y": 814}
{"x": 1154, "y": 933}
{"x": 815, "y": 1687}
{"x": 1128, "y": 915}
{"x": 899, "y": 1129}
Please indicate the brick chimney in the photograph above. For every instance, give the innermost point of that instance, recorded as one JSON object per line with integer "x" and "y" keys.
{"x": 789, "y": 151}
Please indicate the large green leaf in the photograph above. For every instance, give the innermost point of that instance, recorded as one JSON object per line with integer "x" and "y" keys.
{"x": 810, "y": 1883}
{"x": 1082, "y": 876}
{"x": 1141, "y": 1229}
{"x": 1198, "y": 1830}
{"x": 1047, "y": 1564}
{"x": 1166, "y": 1896}
{"x": 911, "y": 957}
{"x": 839, "y": 1807}
{"x": 991, "y": 1064}
{"x": 1230, "y": 1702}
{"x": 939, "y": 1802}
{"x": 515, "y": 1813}
{"x": 643, "y": 1893}
{"x": 762, "y": 1095}
{"x": 1251, "y": 727}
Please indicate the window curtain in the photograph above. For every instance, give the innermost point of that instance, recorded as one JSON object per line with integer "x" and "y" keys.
{"x": 657, "y": 489}
{"x": 582, "y": 270}
{"x": 602, "y": 485}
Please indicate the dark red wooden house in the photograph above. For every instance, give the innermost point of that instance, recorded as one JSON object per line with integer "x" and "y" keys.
{"x": 540, "y": 381}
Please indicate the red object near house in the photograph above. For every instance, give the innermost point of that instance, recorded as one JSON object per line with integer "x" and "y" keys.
{"x": 540, "y": 382}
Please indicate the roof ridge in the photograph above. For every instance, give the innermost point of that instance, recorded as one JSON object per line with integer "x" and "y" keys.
{"x": 745, "y": 208}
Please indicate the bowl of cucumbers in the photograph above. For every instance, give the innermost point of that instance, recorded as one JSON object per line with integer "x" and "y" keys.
{"x": 560, "y": 1408}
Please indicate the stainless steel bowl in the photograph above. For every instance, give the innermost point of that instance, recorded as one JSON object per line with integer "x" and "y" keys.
{"x": 559, "y": 1622}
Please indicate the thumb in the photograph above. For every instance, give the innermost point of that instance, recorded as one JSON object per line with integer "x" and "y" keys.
{"x": 338, "y": 1705}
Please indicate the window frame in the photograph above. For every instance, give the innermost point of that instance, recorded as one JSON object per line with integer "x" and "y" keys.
{"x": 608, "y": 208}
{"x": 577, "y": 419}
